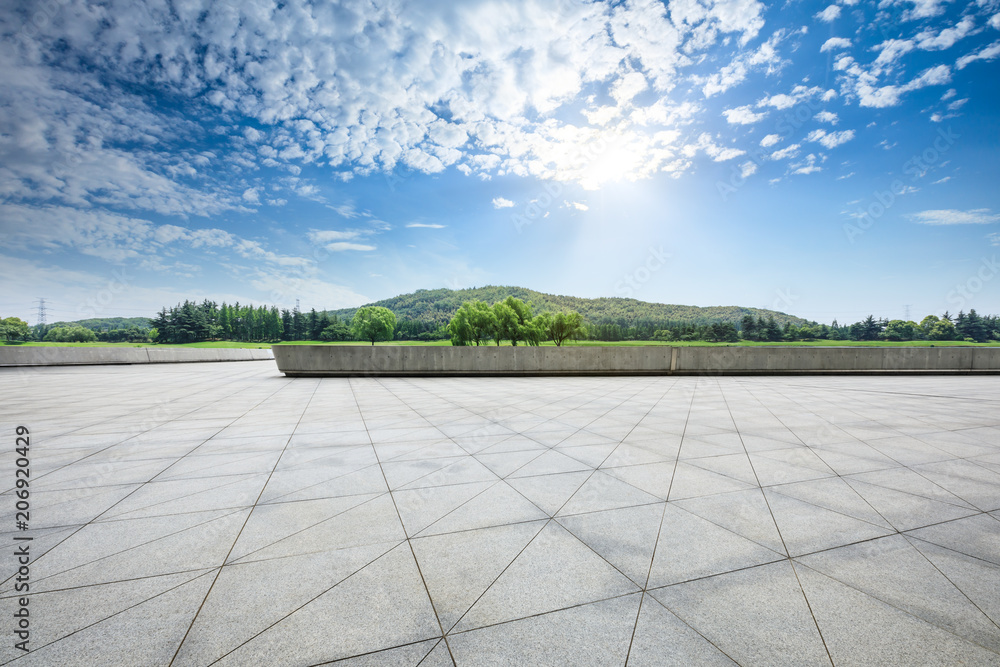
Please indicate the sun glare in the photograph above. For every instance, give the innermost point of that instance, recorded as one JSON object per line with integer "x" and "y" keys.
{"x": 616, "y": 157}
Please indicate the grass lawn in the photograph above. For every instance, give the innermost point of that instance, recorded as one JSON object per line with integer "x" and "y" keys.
{"x": 585, "y": 343}
{"x": 635, "y": 343}
{"x": 217, "y": 343}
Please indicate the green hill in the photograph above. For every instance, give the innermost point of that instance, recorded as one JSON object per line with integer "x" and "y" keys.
{"x": 439, "y": 305}
{"x": 106, "y": 323}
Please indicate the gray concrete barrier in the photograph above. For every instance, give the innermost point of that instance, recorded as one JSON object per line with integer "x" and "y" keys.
{"x": 400, "y": 360}
{"x": 30, "y": 355}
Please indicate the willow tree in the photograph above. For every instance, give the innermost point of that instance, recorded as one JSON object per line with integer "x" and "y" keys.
{"x": 373, "y": 323}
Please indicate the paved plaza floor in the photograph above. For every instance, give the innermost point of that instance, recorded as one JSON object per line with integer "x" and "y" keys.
{"x": 222, "y": 514}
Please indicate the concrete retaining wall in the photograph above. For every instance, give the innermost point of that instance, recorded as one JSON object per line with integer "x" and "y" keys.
{"x": 366, "y": 360}
{"x": 81, "y": 356}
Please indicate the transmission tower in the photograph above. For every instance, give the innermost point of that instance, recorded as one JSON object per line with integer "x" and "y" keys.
{"x": 41, "y": 310}
{"x": 907, "y": 309}
{"x": 296, "y": 305}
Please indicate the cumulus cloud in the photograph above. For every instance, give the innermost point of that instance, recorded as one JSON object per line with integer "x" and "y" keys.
{"x": 835, "y": 44}
{"x": 891, "y": 95}
{"x": 742, "y": 116}
{"x": 921, "y": 9}
{"x": 977, "y": 216}
{"x": 765, "y": 57}
{"x": 353, "y": 87}
{"x": 787, "y": 152}
{"x": 502, "y": 202}
{"x": 798, "y": 94}
{"x": 502, "y": 88}
{"x": 830, "y": 139}
{"x": 928, "y": 40}
{"x": 890, "y": 51}
{"x": 986, "y": 53}
{"x": 770, "y": 140}
{"x": 807, "y": 166}
{"x": 829, "y": 14}
{"x": 119, "y": 239}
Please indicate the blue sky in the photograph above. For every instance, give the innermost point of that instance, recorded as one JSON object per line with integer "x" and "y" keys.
{"x": 829, "y": 160}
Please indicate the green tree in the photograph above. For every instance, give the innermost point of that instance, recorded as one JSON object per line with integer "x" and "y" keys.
{"x": 474, "y": 322}
{"x": 561, "y": 326}
{"x": 971, "y": 326}
{"x": 513, "y": 317}
{"x": 14, "y": 328}
{"x": 897, "y": 330}
{"x": 373, "y": 323}
{"x": 771, "y": 330}
{"x": 748, "y": 327}
{"x": 483, "y": 321}
{"x": 459, "y": 328}
{"x": 927, "y": 324}
{"x": 943, "y": 330}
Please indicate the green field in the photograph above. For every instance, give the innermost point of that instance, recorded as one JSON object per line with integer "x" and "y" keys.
{"x": 586, "y": 343}
{"x": 217, "y": 343}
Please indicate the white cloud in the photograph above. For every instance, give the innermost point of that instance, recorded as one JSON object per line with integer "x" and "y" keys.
{"x": 887, "y": 96}
{"x": 345, "y": 210}
{"x": 765, "y": 57}
{"x": 890, "y": 51}
{"x": 922, "y": 8}
{"x": 357, "y": 87}
{"x": 628, "y": 87}
{"x": 798, "y": 94}
{"x": 501, "y": 202}
{"x": 986, "y": 53}
{"x": 328, "y": 235}
{"x": 748, "y": 168}
{"x": 830, "y": 139}
{"x": 829, "y": 14}
{"x": 426, "y": 225}
{"x": 770, "y": 140}
{"x": 787, "y": 152}
{"x": 945, "y": 39}
{"x": 808, "y": 166}
{"x": 122, "y": 239}
{"x": 826, "y": 117}
{"x": 342, "y": 246}
{"x": 577, "y": 205}
{"x": 706, "y": 144}
{"x": 742, "y": 116}
{"x": 835, "y": 44}
{"x": 978, "y": 216}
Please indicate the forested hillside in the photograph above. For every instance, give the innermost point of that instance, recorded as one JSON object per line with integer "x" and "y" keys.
{"x": 106, "y": 323}
{"x": 438, "y": 306}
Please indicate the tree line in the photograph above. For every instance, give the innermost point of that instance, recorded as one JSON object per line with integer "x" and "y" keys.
{"x": 475, "y": 322}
